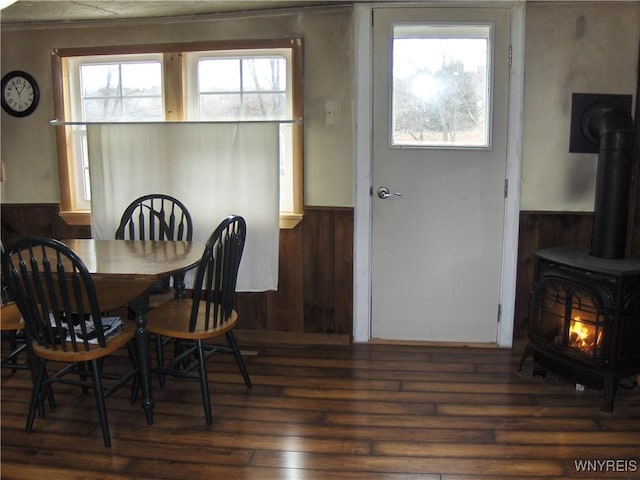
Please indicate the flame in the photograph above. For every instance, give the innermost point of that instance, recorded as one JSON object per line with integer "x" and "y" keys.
{"x": 582, "y": 335}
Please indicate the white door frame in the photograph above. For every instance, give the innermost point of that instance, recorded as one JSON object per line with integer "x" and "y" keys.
{"x": 363, "y": 63}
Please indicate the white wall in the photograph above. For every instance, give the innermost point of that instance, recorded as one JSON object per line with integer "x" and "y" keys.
{"x": 581, "y": 47}
{"x": 28, "y": 147}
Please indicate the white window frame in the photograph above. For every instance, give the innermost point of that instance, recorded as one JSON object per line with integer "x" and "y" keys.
{"x": 453, "y": 31}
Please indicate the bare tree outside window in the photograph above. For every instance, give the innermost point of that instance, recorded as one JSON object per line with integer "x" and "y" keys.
{"x": 440, "y": 88}
{"x": 258, "y": 90}
{"x": 122, "y": 91}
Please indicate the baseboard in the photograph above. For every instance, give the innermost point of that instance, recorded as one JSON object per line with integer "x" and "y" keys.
{"x": 259, "y": 337}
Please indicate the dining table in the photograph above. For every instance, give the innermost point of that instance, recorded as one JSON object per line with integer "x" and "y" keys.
{"x": 123, "y": 271}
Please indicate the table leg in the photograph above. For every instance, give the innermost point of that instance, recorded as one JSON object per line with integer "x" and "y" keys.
{"x": 139, "y": 308}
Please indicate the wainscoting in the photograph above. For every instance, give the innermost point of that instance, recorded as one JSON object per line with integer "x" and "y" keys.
{"x": 314, "y": 301}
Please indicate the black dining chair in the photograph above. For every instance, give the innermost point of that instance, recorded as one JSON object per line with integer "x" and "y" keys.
{"x": 12, "y": 325}
{"x": 12, "y": 328}
{"x": 157, "y": 217}
{"x": 208, "y": 313}
{"x": 63, "y": 324}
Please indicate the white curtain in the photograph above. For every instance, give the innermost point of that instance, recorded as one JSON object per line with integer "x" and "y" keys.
{"x": 215, "y": 169}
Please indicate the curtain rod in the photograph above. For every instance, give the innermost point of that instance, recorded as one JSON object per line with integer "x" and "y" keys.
{"x": 58, "y": 123}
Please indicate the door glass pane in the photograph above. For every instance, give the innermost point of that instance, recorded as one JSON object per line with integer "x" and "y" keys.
{"x": 440, "y": 85}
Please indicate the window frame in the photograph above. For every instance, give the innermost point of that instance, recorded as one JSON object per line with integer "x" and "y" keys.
{"x": 175, "y": 108}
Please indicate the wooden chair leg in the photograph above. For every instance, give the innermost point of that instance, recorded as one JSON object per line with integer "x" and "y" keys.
{"x": 239, "y": 360}
{"x": 160, "y": 361}
{"x": 100, "y": 403}
{"x": 38, "y": 377}
{"x": 204, "y": 383}
{"x": 132, "y": 350}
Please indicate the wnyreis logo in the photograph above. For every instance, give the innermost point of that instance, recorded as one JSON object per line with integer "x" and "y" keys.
{"x": 607, "y": 465}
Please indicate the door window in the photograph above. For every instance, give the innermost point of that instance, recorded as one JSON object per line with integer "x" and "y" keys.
{"x": 440, "y": 85}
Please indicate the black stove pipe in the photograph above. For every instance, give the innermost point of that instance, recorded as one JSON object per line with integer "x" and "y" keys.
{"x": 613, "y": 181}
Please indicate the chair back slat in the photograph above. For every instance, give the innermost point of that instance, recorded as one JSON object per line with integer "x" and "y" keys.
{"x": 216, "y": 276}
{"x": 55, "y": 294}
{"x": 155, "y": 217}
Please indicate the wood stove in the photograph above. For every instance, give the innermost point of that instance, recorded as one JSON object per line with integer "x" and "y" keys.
{"x": 584, "y": 321}
{"x": 584, "y": 318}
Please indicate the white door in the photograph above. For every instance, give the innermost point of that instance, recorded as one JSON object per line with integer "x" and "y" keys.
{"x": 440, "y": 110}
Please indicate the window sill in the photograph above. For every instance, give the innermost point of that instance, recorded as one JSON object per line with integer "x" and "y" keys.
{"x": 76, "y": 217}
{"x": 288, "y": 221}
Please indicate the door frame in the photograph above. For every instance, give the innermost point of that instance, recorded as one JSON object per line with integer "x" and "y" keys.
{"x": 362, "y": 253}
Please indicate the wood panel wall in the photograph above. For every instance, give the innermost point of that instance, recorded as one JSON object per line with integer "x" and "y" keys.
{"x": 314, "y": 301}
{"x": 315, "y": 287}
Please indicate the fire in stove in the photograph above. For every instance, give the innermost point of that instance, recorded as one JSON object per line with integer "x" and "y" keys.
{"x": 583, "y": 336}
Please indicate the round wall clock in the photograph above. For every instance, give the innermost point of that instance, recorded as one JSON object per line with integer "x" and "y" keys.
{"x": 20, "y": 93}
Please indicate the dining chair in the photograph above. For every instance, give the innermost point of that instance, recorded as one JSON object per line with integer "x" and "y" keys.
{"x": 63, "y": 324}
{"x": 12, "y": 325}
{"x": 157, "y": 217}
{"x": 12, "y": 328}
{"x": 208, "y": 313}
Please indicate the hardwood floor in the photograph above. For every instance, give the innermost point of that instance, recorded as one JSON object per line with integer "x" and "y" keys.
{"x": 358, "y": 412}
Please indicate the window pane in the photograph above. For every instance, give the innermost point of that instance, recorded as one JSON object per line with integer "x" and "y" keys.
{"x": 105, "y": 109}
{"x": 221, "y": 107}
{"x": 266, "y": 106}
{"x": 100, "y": 80}
{"x": 219, "y": 75}
{"x": 147, "y": 108}
{"x": 440, "y": 86}
{"x": 264, "y": 74}
{"x": 142, "y": 79}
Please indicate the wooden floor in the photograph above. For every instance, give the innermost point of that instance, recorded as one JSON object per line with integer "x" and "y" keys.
{"x": 366, "y": 412}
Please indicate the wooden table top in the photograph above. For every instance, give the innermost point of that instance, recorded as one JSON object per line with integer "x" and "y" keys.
{"x": 124, "y": 269}
{"x": 130, "y": 259}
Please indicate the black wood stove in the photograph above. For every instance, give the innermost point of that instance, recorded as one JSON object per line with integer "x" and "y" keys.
{"x": 584, "y": 321}
{"x": 584, "y": 317}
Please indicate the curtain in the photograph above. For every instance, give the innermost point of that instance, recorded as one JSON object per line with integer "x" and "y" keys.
{"x": 215, "y": 169}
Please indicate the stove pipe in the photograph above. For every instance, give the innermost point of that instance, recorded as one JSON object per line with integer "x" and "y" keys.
{"x": 615, "y": 162}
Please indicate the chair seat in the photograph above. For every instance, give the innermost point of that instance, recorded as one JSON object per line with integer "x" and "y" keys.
{"x": 10, "y": 317}
{"x": 172, "y": 320}
{"x": 95, "y": 351}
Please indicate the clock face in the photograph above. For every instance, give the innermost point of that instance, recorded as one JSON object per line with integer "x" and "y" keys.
{"x": 20, "y": 94}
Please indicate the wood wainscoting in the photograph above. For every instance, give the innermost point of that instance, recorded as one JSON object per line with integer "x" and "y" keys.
{"x": 314, "y": 301}
{"x": 315, "y": 287}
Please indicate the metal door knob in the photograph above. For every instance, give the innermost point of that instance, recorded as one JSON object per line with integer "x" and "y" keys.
{"x": 383, "y": 192}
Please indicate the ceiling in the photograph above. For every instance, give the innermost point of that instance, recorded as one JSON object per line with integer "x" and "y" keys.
{"x": 62, "y": 11}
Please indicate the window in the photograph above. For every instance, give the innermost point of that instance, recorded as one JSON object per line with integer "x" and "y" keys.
{"x": 246, "y": 85}
{"x": 109, "y": 89}
{"x": 217, "y": 82}
{"x": 441, "y": 85}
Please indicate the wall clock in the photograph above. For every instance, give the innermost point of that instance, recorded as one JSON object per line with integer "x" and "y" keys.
{"x": 20, "y": 93}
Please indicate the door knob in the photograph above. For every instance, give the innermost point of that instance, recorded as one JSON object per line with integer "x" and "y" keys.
{"x": 383, "y": 192}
